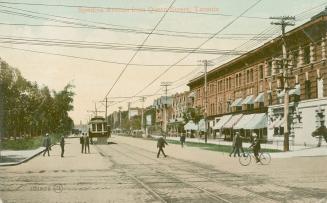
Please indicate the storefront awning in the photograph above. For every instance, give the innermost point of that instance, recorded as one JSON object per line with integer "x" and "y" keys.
{"x": 249, "y": 100}
{"x": 259, "y": 121}
{"x": 244, "y": 121}
{"x": 260, "y": 98}
{"x": 296, "y": 90}
{"x": 233, "y": 121}
{"x": 237, "y": 102}
{"x": 201, "y": 125}
{"x": 190, "y": 126}
{"x": 223, "y": 120}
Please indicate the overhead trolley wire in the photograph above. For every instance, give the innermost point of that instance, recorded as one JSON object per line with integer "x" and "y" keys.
{"x": 135, "y": 53}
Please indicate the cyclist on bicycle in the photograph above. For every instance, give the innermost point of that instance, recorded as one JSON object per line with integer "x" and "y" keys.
{"x": 256, "y": 146}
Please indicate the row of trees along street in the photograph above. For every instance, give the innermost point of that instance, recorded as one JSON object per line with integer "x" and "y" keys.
{"x": 27, "y": 109}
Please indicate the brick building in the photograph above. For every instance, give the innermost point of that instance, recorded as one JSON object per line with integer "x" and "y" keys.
{"x": 180, "y": 103}
{"x": 163, "y": 106}
{"x": 248, "y": 87}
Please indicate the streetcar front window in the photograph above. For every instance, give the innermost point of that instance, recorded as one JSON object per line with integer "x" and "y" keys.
{"x": 99, "y": 125}
{"x": 93, "y": 127}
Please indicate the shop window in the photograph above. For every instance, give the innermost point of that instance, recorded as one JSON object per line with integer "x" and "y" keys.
{"x": 308, "y": 89}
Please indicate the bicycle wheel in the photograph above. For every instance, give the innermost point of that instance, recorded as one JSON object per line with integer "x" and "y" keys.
{"x": 245, "y": 160}
{"x": 265, "y": 158}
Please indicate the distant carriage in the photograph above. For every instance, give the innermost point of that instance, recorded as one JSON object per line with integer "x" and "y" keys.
{"x": 99, "y": 129}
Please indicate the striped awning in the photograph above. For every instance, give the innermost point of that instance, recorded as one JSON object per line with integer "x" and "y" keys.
{"x": 259, "y": 121}
{"x": 237, "y": 102}
{"x": 223, "y": 120}
{"x": 260, "y": 97}
{"x": 244, "y": 121}
{"x": 249, "y": 100}
{"x": 233, "y": 121}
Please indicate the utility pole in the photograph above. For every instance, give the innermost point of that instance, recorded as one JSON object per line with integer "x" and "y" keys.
{"x": 142, "y": 117}
{"x": 120, "y": 116}
{"x": 106, "y": 115}
{"x": 165, "y": 84}
{"x": 283, "y": 22}
{"x": 205, "y": 64}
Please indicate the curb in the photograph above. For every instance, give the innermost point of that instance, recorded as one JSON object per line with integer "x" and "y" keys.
{"x": 25, "y": 160}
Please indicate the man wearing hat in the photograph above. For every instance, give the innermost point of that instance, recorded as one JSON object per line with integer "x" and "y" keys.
{"x": 47, "y": 144}
{"x": 62, "y": 145}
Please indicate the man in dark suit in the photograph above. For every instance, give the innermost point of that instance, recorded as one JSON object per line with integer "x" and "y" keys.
{"x": 86, "y": 143}
{"x": 47, "y": 144}
{"x": 81, "y": 141}
{"x": 161, "y": 144}
{"x": 62, "y": 145}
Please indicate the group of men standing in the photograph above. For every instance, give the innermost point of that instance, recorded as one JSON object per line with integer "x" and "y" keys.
{"x": 85, "y": 142}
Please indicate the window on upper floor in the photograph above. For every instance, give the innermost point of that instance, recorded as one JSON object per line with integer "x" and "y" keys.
{"x": 260, "y": 72}
{"x": 307, "y": 89}
{"x": 247, "y": 76}
{"x": 236, "y": 80}
{"x": 269, "y": 72}
{"x": 306, "y": 54}
{"x": 295, "y": 56}
{"x": 251, "y": 75}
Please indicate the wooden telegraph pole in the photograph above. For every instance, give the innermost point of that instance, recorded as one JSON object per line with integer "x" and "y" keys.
{"x": 283, "y": 22}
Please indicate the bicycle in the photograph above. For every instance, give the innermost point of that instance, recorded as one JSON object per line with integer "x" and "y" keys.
{"x": 245, "y": 160}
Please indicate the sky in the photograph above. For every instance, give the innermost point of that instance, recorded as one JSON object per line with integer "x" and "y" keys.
{"x": 94, "y": 79}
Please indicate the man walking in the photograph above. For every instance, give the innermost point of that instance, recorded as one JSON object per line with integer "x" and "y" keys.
{"x": 47, "y": 144}
{"x": 62, "y": 145}
{"x": 239, "y": 144}
{"x": 234, "y": 145}
{"x": 81, "y": 141}
{"x": 182, "y": 139}
{"x": 161, "y": 144}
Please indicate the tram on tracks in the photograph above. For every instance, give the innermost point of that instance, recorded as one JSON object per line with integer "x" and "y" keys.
{"x": 99, "y": 130}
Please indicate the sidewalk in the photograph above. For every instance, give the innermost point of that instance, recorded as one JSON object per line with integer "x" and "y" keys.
{"x": 295, "y": 151}
{"x": 15, "y": 157}
{"x": 73, "y": 158}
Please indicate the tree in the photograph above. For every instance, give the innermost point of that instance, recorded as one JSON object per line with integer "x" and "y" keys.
{"x": 194, "y": 114}
{"x": 28, "y": 109}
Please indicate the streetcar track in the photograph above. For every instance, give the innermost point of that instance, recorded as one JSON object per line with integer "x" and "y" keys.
{"x": 210, "y": 194}
{"x": 272, "y": 196}
{"x": 223, "y": 173}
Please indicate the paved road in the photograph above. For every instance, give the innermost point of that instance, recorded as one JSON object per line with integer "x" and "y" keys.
{"x": 128, "y": 171}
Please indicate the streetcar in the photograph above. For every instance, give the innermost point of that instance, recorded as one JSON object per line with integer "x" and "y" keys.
{"x": 99, "y": 129}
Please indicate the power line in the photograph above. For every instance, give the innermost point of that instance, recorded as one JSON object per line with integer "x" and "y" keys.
{"x": 93, "y": 59}
{"x": 193, "y": 36}
{"x": 135, "y": 53}
{"x": 113, "y": 46}
{"x": 203, "y": 43}
{"x": 126, "y": 29}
